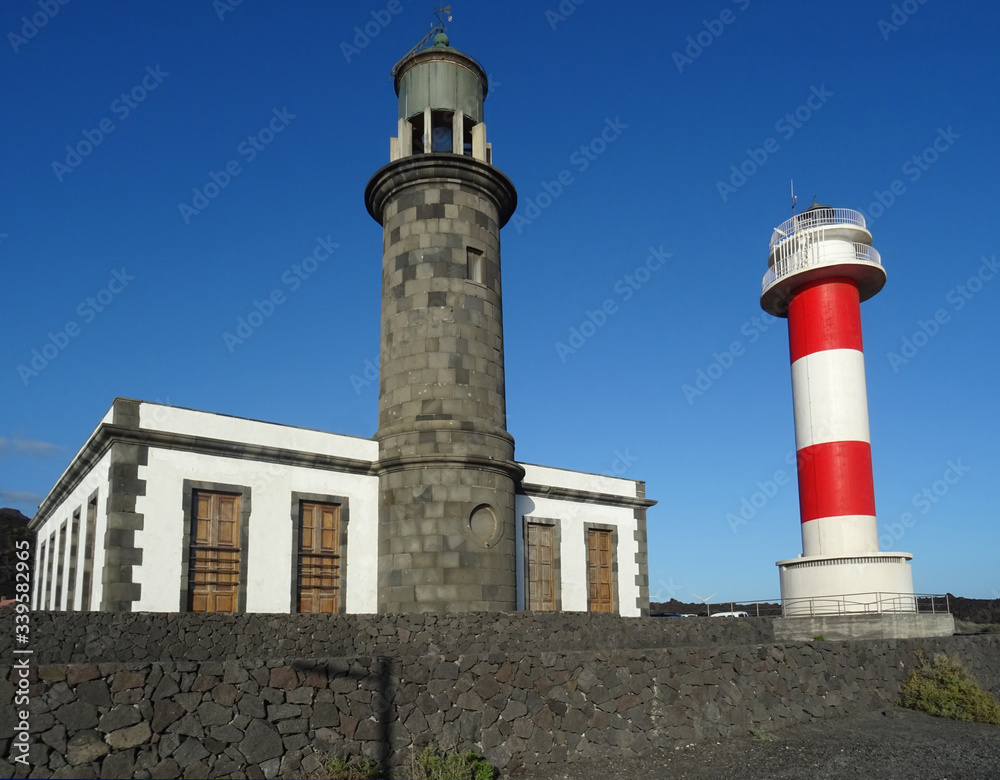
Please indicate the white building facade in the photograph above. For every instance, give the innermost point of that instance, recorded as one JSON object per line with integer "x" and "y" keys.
{"x": 118, "y": 530}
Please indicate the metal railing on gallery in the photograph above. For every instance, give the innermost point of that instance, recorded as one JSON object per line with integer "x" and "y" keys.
{"x": 816, "y": 218}
{"x": 850, "y": 252}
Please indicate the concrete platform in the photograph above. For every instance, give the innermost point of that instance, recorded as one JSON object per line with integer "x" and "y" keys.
{"x": 885, "y": 625}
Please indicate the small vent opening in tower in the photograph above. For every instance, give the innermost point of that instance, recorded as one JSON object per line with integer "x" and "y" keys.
{"x": 475, "y": 266}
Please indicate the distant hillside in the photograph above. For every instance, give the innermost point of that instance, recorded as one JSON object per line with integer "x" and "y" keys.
{"x": 975, "y": 610}
{"x": 13, "y": 526}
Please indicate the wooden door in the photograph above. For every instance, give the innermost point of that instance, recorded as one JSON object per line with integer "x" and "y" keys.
{"x": 214, "y": 567}
{"x": 599, "y": 571}
{"x": 541, "y": 567}
{"x": 319, "y": 557}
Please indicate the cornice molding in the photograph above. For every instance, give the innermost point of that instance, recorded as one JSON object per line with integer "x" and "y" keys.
{"x": 583, "y": 496}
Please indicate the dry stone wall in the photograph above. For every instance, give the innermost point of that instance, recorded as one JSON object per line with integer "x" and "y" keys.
{"x": 277, "y": 717}
{"x": 151, "y": 636}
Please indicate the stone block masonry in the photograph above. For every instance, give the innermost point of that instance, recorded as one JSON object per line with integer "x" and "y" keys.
{"x": 225, "y": 716}
{"x": 446, "y": 467}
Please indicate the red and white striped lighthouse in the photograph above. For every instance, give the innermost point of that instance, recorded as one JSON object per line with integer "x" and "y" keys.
{"x": 821, "y": 266}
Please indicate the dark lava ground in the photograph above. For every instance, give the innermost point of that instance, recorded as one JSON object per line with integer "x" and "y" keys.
{"x": 895, "y": 744}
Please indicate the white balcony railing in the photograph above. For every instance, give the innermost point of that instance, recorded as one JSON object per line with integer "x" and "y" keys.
{"x": 867, "y": 603}
{"x": 811, "y": 256}
{"x": 816, "y": 218}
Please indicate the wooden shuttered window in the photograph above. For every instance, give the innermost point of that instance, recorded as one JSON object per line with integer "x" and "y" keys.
{"x": 88, "y": 553}
{"x": 60, "y": 567}
{"x": 600, "y": 573}
{"x": 47, "y": 555}
{"x": 49, "y": 573}
{"x": 74, "y": 554}
{"x": 318, "y": 573}
{"x": 541, "y": 567}
{"x": 214, "y": 563}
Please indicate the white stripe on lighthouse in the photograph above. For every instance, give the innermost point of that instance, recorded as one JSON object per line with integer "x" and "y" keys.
{"x": 830, "y": 397}
{"x": 842, "y": 535}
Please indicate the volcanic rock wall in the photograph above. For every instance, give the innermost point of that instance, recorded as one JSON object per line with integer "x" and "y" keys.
{"x": 255, "y": 708}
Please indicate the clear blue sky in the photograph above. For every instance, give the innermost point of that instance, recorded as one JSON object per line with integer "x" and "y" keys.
{"x": 846, "y": 102}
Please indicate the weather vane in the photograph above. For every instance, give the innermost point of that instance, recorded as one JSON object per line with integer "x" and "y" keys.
{"x": 440, "y": 13}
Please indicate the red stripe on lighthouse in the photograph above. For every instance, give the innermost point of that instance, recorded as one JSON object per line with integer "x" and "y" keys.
{"x": 835, "y": 478}
{"x": 824, "y": 314}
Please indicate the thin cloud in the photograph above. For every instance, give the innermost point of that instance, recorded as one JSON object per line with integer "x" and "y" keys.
{"x": 27, "y": 447}
{"x": 17, "y": 497}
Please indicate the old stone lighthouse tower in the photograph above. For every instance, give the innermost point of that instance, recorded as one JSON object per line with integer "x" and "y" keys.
{"x": 447, "y": 476}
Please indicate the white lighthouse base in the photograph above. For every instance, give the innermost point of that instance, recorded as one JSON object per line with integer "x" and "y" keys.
{"x": 838, "y": 585}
